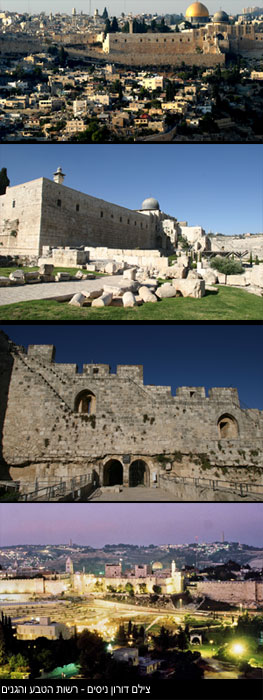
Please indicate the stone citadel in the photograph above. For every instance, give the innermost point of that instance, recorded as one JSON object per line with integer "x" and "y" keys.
{"x": 44, "y": 215}
{"x": 248, "y": 593}
{"x": 58, "y": 424}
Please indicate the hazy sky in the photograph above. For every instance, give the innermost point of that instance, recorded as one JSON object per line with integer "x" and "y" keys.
{"x": 174, "y": 355}
{"x": 219, "y": 187}
{"x": 115, "y": 7}
{"x": 96, "y": 524}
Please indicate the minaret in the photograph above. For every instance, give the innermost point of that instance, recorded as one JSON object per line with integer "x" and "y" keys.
{"x": 173, "y": 569}
{"x": 69, "y": 566}
{"x": 58, "y": 177}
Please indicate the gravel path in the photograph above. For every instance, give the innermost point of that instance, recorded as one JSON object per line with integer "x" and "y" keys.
{"x": 56, "y": 290}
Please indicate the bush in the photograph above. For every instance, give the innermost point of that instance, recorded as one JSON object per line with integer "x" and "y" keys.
{"x": 228, "y": 267}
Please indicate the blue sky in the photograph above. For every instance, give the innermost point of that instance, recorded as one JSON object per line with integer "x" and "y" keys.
{"x": 174, "y": 355}
{"x": 118, "y": 6}
{"x": 97, "y": 524}
{"x": 219, "y": 187}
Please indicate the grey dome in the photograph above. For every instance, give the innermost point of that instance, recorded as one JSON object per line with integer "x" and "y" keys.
{"x": 220, "y": 17}
{"x": 150, "y": 204}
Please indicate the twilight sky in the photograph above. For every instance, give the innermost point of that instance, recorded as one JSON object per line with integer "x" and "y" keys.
{"x": 216, "y": 186}
{"x": 115, "y": 7}
{"x": 174, "y": 355}
{"x": 97, "y": 524}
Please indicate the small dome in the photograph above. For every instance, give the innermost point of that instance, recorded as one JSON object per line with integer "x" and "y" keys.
{"x": 197, "y": 9}
{"x": 157, "y": 565}
{"x": 150, "y": 204}
{"x": 220, "y": 17}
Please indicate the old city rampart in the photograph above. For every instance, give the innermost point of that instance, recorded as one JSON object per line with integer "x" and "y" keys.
{"x": 43, "y": 213}
{"x": 235, "y": 592}
{"x": 112, "y": 425}
{"x": 163, "y": 49}
{"x": 247, "y": 593}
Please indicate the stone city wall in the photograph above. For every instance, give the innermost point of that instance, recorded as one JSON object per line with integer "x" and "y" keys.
{"x": 20, "y": 218}
{"x": 37, "y": 586}
{"x": 43, "y": 213}
{"x": 163, "y": 49}
{"x": 235, "y": 592}
{"x": 42, "y": 425}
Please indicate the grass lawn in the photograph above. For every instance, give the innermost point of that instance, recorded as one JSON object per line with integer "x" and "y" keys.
{"x": 5, "y": 271}
{"x": 229, "y": 304}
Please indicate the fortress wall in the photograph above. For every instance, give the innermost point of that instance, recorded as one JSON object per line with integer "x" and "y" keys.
{"x": 146, "y": 58}
{"x": 96, "y": 223}
{"x": 41, "y": 424}
{"x": 28, "y": 585}
{"x": 20, "y": 212}
{"x": 234, "y": 592}
{"x": 253, "y": 243}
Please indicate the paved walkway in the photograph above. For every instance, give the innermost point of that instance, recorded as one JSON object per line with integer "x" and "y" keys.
{"x": 139, "y": 493}
{"x": 57, "y": 290}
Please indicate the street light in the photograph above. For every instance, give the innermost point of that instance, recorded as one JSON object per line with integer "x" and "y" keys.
{"x": 238, "y": 649}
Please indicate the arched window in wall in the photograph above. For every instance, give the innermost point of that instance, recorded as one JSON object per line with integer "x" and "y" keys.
{"x": 85, "y": 402}
{"x": 227, "y": 426}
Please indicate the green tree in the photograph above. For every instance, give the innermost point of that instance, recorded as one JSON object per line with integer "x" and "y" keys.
{"x": 107, "y": 28}
{"x": 92, "y": 657}
{"x": 228, "y": 267}
{"x": 3, "y": 655}
{"x": 121, "y": 637}
{"x": 157, "y": 589}
{"x": 105, "y": 13}
{"x": 129, "y": 588}
{"x": 143, "y": 587}
{"x": 114, "y": 25}
{"x": 4, "y": 181}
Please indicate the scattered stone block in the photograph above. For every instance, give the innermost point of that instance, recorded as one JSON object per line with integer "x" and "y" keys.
{"x": 176, "y": 271}
{"x": 32, "y": 276}
{"x": 146, "y": 295}
{"x": 104, "y": 300}
{"x": 47, "y": 278}
{"x": 78, "y": 299}
{"x": 91, "y": 267}
{"x": 79, "y": 275}
{"x": 111, "y": 268}
{"x": 237, "y": 280}
{"x": 221, "y": 278}
{"x": 130, "y": 274}
{"x": 17, "y": 276}
{"x": 190, "y": 288}
{"x": 128, "y": 299}
{"x": 5, "y": 282}
{"x": 255, "y": 275}
{"x": 46, "y": 269}
{"x": 93, "y": 294}
{"x": 209, "y": 276}
{"x": 63, "y": 277}
{"x": 166, "y": 291}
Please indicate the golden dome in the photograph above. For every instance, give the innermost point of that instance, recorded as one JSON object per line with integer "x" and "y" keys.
{"x": 197, "y": 9}
{"x": 157, "y": 565}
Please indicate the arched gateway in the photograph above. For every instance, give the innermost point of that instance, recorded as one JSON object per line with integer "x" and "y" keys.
{"x": 112, "y": 473}
{"x": 139, "y": 474}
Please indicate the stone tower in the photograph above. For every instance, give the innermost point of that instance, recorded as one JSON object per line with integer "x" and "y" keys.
{"x": 69, "y": 566}
{"x": 58, "y": 176}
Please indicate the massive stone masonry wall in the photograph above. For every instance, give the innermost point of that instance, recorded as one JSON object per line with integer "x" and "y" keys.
{"x": 247, "y": 592}
{"x": 35, "y": 586}
{"x": 44, "y": 436}
{"x": 20, "y": 218}
{"x": 46, "y": 213}
{"x": 97, "y": 222}
{"x": 192, "y": 47}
